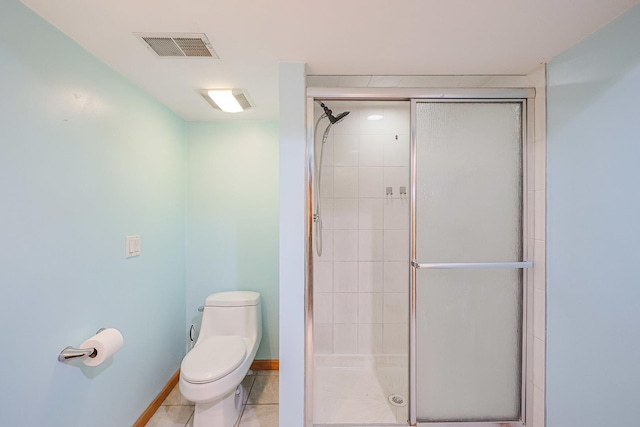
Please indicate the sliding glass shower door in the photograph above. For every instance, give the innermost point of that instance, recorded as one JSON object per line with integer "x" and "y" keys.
{"x": 467, "y": 260}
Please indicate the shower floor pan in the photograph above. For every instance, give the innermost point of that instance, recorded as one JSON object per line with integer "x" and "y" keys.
{"x": 360, "y": 390}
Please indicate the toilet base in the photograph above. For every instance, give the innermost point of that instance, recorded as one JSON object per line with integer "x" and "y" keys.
{"x": 220, "y": 413}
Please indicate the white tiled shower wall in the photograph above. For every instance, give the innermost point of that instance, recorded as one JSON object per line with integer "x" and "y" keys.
{"x": 361, "y": 281}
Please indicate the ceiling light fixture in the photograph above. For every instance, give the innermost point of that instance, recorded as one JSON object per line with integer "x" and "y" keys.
{"x": 375, "y": 117}
{"x": 227, "y": 100}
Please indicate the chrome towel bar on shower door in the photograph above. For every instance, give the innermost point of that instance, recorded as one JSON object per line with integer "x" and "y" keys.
{"x": 461, "y": 265}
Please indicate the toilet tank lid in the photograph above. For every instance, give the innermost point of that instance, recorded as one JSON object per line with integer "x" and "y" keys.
{"x": 233, "y": 299}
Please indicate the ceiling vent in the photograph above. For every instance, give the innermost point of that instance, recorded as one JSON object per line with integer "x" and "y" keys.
{"x": 176, "y": 44}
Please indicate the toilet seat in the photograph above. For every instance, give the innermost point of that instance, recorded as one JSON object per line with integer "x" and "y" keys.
{"x": 213, "y": 358}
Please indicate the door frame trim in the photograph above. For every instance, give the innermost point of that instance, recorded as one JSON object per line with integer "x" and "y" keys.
{"x": 409, "y": 93}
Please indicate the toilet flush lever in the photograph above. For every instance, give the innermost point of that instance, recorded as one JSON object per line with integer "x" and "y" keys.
{"x": 201, "y": 308}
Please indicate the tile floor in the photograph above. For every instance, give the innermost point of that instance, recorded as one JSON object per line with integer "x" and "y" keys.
{"x": 260, "y": 408}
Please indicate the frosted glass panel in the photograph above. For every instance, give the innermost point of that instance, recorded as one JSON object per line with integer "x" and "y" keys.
{"x": 469, "y": 182}
{"x": 468, "y": 351}
{"x": 468, "y": 209}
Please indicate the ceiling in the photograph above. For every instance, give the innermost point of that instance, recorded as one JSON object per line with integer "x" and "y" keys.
{"x": 333, "y": 37}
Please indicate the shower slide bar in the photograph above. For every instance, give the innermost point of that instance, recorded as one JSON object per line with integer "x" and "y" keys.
{"x": 464, "y": 265}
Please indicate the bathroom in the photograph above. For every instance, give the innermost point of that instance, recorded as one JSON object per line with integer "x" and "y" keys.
{"x": 88, "y": 158}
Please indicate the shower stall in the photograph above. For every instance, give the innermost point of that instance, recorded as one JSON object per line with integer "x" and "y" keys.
{"x": 416, "y": 288}
{"x": 361, "y": 280}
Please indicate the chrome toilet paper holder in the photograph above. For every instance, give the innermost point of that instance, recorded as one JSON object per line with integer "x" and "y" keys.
{"x": 69, "y": 352}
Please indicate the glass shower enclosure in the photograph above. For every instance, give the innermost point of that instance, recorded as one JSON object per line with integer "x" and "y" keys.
{"x": 416, "y": 299}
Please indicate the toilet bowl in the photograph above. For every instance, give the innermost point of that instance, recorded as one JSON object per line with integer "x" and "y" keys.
{"x": 212, "y": 371}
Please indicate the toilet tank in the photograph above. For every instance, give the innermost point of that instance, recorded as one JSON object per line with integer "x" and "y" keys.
{"x": 232, "y": 313}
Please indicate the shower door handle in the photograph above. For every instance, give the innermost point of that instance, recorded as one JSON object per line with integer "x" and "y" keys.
{"x": 468, "y": 265}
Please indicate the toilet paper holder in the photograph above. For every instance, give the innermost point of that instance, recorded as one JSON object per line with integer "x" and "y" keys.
{"x": 73, "y": 353}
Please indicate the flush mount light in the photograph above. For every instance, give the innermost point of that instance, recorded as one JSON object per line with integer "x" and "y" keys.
{"x": 375, "y": 117}
{"x": 227, "y": 100}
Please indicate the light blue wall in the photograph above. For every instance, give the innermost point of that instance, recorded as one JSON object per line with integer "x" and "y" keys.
{"x": 593, "y": 234}
{"x": 232, "y": 219}
{"x": 293, "y": 194}
{"x": 86, "y": 158}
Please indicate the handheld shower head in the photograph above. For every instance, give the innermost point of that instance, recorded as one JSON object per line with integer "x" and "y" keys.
{"x": 317, "y": 216}
{"x": 340, "y": 117}
{"x": 333, "y": 119}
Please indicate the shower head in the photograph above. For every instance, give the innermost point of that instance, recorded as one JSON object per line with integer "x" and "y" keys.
{"x": 339, "y": 117}
{"x": 333, "y": 119}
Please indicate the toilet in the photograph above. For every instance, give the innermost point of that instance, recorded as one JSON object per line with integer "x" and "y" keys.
{"x": 212, "y": 371}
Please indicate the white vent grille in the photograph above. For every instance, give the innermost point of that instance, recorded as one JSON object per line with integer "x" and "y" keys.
{"x": 192, "y": 47}
{"x": 242, "y": 100}
{"x": 169, "y": 44}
